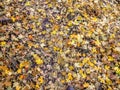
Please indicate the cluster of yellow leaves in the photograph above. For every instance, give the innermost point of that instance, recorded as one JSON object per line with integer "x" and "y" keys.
{"x": 5, "y": 70}
{"x": 38, "y": 60}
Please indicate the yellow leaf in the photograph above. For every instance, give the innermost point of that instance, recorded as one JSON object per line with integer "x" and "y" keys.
{"x": 19, "y": 71}
{"x": 18, "y": 87}
{"x": 70, "y": 76}
{"x": 49, "y": 5}
{"x": 39, "y": 10}
{"x": 109, "y": 88}
{"x": 70, "y": 10}
{"x": 39, "y": 61}
{"x": 79, "y": 18}
{"x": 108, "y": 81}
{"x": 24, "y": 64}
{"x": 94, "y": 19}
{"x": 91, "y": 64}
{"x": 7, "y": 72}
{"x": 84, "y": 75}
{"x": 37, "y": 86}
{"x": 117, "y": 70}
{"x": 94, "y": 50}
{"x": 94, "y": 61}
{"x": 70, "y": 23}
{"x": 110, "y": 58}
{"x": 81, "y": 71}
{"x": 101, "y": 79}
{"x": 53, "y": 32}
{"x": 55, "y": 27}
{"x": 30, "y": 44}
{"x": 81, "y": 64}
{"x": 71, "y": 67}
{"x": 56, "y": 49}
{"x": 86, "y": 85}
{"x": 41, "y": 80}
{"x": 97, "y": 42}
{"x": 76, "y": 22}
{"x": 85, "y": 60}
{"x": 38, "y": 23}
{"x": 3, "y": 43}
{"x": 107, "y": 67}
{"x": 62, "y": 81}
{"x": 13, "y": 19}
{"x": 112, "y": 36}
{"x": 27, "y": 3}
{"x": 88, "y": 71}
{"x": 69, "y": 1}
{"x": 85, "y": 15}
{"x": 58, "y": 18}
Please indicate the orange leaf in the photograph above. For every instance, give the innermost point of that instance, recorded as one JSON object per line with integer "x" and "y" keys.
{"x": 30, "y": 37}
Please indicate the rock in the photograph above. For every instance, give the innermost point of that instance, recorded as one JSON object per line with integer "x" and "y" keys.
{"x": 70, "y": 88}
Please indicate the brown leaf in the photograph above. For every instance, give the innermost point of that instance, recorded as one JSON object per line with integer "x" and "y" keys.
{"x": 7, "y": 83}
